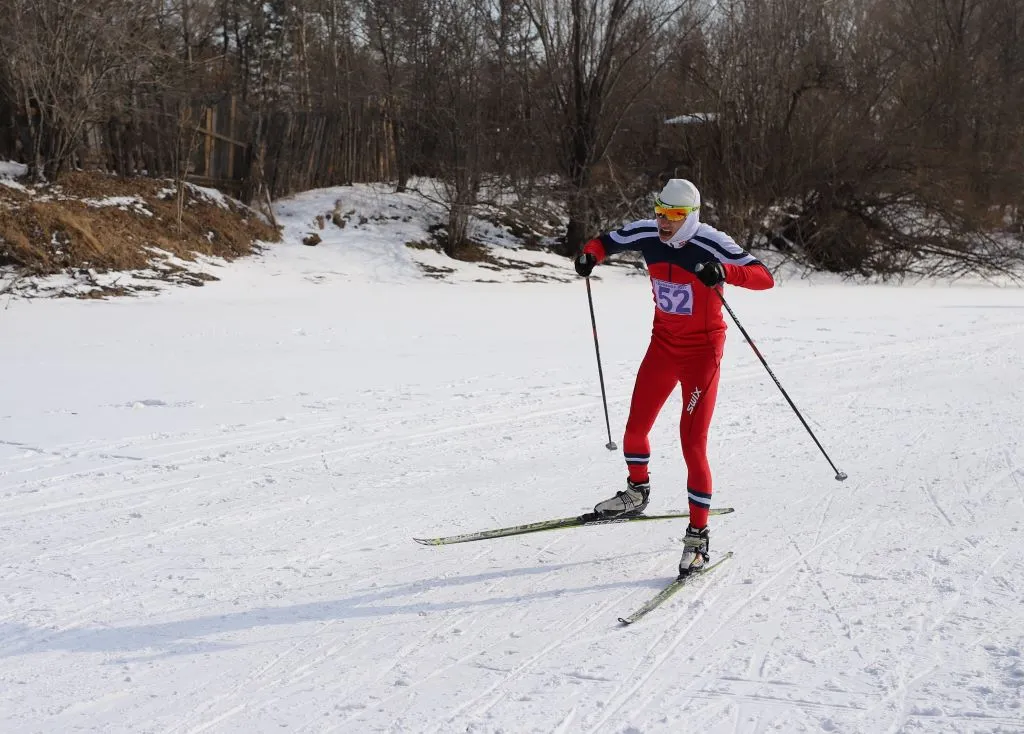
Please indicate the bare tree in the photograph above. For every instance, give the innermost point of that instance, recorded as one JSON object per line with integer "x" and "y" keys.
{"x": 588, "y": 48}
{"x": 520, "y": 146}
{"x": 856, "y": 134}
{"x": 63, "y": 62}
{"x": 457, "y": 116}
{"x": 402, "y": 35}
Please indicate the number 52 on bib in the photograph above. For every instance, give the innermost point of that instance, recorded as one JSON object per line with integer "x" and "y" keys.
{"x": 673, "y": 298}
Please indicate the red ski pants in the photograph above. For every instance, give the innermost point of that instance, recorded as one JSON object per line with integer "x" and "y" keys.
{"x": 696, "y": 369}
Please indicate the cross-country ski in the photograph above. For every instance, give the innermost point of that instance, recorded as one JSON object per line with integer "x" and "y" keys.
{"x": 584, "y": 520}
{"x": 670, "y": 589}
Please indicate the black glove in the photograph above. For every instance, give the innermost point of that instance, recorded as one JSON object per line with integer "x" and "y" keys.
{"x": 710, "y": 273}
{"x": 585, "y": 264}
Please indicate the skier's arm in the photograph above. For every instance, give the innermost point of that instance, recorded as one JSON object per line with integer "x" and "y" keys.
{"x": 739, "y": 267}
{"x": 627, "y": 238}
{"x": 753, "y": 275}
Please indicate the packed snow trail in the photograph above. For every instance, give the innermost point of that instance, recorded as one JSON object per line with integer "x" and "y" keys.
{"x": 209, "y": 498}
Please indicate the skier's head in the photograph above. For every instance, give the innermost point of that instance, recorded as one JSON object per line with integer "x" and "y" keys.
{"x": 676, "y": 205}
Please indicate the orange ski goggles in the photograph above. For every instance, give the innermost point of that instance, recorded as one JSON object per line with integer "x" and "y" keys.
{"x": 673, "y": 213}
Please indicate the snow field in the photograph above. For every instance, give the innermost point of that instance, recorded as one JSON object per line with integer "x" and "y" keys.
{"x": 207, "y": 500}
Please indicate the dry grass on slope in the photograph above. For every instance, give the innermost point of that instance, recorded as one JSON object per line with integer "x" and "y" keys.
{"x": 90, "y": 223}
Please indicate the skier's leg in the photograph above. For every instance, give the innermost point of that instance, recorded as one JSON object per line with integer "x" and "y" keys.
{"x": 700, "y": 390}
{"x": 655, "y": 381}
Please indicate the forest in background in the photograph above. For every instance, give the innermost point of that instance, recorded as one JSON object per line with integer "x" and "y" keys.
{"x": 858, "y": 136}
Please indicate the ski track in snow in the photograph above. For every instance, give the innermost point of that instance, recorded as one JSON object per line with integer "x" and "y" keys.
{"x": 235, "y": 555}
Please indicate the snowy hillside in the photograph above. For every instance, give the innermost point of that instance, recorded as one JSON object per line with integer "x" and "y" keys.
{"x": 208, "y": 498}
{"x": 365, "y": 229}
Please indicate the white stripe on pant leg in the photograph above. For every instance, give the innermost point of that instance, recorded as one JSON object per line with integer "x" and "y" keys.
{"x": 698, "y": 500}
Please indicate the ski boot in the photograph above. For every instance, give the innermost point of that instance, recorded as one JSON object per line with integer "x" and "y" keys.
{"x": 696, "y": 544}
{"x": 625, "y": 504}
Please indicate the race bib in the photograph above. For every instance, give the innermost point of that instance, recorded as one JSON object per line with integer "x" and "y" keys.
{"x": 674, "y": 298}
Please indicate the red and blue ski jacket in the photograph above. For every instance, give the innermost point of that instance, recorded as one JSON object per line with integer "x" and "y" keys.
{"x": 686, "y": 312}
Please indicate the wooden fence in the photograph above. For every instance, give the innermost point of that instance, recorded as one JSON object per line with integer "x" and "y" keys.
{"x": 305, "y": 150}
{"x": 293, "y": 150}
{"x": 298, "y": 150}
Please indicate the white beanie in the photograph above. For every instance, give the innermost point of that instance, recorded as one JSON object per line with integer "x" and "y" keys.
{"x": 679, "y": 192}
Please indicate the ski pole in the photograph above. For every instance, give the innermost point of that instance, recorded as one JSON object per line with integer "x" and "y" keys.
{"x": 840, "y": 476}
{"x": 600, "y": 373}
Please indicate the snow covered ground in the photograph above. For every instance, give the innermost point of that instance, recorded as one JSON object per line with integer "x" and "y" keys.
{"x": 207, "y": 500}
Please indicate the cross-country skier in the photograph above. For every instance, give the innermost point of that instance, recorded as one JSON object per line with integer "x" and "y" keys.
{"x": 686, "y": 259}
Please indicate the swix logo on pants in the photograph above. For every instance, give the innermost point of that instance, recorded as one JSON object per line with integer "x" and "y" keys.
{"x": 694, "y": 397}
